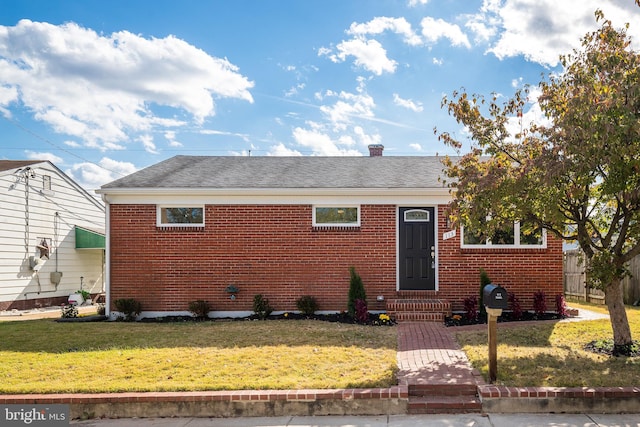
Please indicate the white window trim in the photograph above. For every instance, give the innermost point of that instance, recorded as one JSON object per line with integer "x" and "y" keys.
{"x": 159, "y": 222}
{"x": 334, "y": 224}
{"x": 515, "y": 245}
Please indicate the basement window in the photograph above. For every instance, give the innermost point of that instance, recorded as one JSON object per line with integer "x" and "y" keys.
{"x": 180, "y": 216}
{"x": 336, "y": 216}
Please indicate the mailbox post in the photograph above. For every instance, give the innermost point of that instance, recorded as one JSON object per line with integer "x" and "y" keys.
{"x": 495, "y": 300}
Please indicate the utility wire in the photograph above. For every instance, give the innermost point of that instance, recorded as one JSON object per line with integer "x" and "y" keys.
{"x": 64, "y": 150}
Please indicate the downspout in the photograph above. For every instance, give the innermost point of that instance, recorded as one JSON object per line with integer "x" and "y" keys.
{"x": 107, "y": 251}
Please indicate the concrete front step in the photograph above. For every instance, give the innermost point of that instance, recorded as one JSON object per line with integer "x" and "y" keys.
{"x": 418, "y": 309}
{"x": 444, "y": 405}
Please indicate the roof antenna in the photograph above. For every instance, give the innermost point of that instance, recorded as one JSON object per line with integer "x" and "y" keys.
{"x": 249, "y": 153}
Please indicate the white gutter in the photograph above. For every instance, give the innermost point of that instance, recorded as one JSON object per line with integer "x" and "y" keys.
{"x": 114, "y": 196}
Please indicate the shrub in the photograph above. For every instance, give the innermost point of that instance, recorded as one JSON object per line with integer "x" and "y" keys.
{"x": 261, "y": 306}
{"x": 539, "y": 303}
{"x": 129, "y": 307}
{"x": 484, "y": 281}
{"x": 516, "y": 307}
{"x": 307, "y": 305}
{"x": 200, "y": 309}
{"x": 362, "y": 313}
{"x": 356, "y": 291}
{"x": 561, "y": 306}
{"x": 69, "y": 311}
{"x": 471, "y": 308}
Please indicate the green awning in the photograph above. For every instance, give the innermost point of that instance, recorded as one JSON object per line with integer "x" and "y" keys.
{"x": 89, "y": 239}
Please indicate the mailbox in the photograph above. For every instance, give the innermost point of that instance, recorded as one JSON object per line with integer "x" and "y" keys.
{"x": 495, "y": 296}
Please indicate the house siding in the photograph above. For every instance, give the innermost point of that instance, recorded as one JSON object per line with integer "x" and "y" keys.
{"x": 274, "y": 250}
{"x": 31, "y": 214}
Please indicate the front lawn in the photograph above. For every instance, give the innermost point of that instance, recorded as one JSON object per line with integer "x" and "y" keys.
{"x": 43, "y": 356}
{"x": 553, "y": 354}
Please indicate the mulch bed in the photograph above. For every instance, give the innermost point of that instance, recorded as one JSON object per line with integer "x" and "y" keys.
{"x": 373, "y": 319}
{"x": 608, "y": 348}
{"x": 463, "y": 320}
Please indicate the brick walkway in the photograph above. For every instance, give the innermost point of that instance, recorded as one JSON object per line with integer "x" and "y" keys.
{"x": 428, "y": 354}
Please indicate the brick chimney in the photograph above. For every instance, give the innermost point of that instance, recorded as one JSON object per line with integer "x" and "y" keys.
{"x": 375, "y": 150}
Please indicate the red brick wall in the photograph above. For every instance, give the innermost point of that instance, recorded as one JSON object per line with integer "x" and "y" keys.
{"x": 275, "y": 251}
{"x": 272, "y": 250}
{"x": 521, "y": 271}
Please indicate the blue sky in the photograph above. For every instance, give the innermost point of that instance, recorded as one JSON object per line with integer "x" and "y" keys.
{"x": 103, "y": 89}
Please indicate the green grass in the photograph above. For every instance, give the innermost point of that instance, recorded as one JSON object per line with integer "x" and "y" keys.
{"x": 43, "y": 356}
{"x": 552, "y": 354}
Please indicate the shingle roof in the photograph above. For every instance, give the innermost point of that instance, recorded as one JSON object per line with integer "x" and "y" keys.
{"x": 286, "y": 172}
{"x": 6, "y": 165}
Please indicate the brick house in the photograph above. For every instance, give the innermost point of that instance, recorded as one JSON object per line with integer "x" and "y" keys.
{"x": 190, "y": 227}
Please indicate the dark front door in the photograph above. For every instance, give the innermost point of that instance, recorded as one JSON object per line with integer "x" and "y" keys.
{"x": 417, "y": 250}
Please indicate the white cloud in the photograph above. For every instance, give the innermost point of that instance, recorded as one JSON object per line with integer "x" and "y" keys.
{"x": 381, "y": 24}
{"x": 92, "y": 176}
{"x": 416, "y": 147}
{"x": 324, "y": 51}
{"x": 294, "y": 90}
{"x": 282, "y": 151}
{"x": 243, "y": 136}
{"x": 170, "y": 136}
{"x": 414, "y": 3}
{"x": 364, "y": 138}
{"x": 407, "y": 103}
{"x": 33, "y": 155}
{"x": 341, "y": 133}
{"x": 542, "y": 30}
{"x": 72, "y": 144}
{"x": 438, "y": 61}
{"x": 368, "y": 54}
{"x": 435, "y": 29}
{"x": 8, "y": 94}
{"x": 148, "y": 144}
{"x": 484, "y": 31}
{"x": 320, "y": 143}
{"x": 103, "y": 88}
{"x": 347, "y": 107}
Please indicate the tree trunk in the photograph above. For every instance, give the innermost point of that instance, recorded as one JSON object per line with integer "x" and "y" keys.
{"x": 621, "y": 331}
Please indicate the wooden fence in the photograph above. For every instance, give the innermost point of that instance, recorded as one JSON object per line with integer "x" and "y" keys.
{"x": 575, "y": 280}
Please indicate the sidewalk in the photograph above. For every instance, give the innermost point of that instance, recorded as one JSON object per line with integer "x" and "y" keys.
{"x": 471, "y": 420}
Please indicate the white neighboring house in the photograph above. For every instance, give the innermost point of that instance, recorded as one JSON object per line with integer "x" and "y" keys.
{"x": 51, "y": 236}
